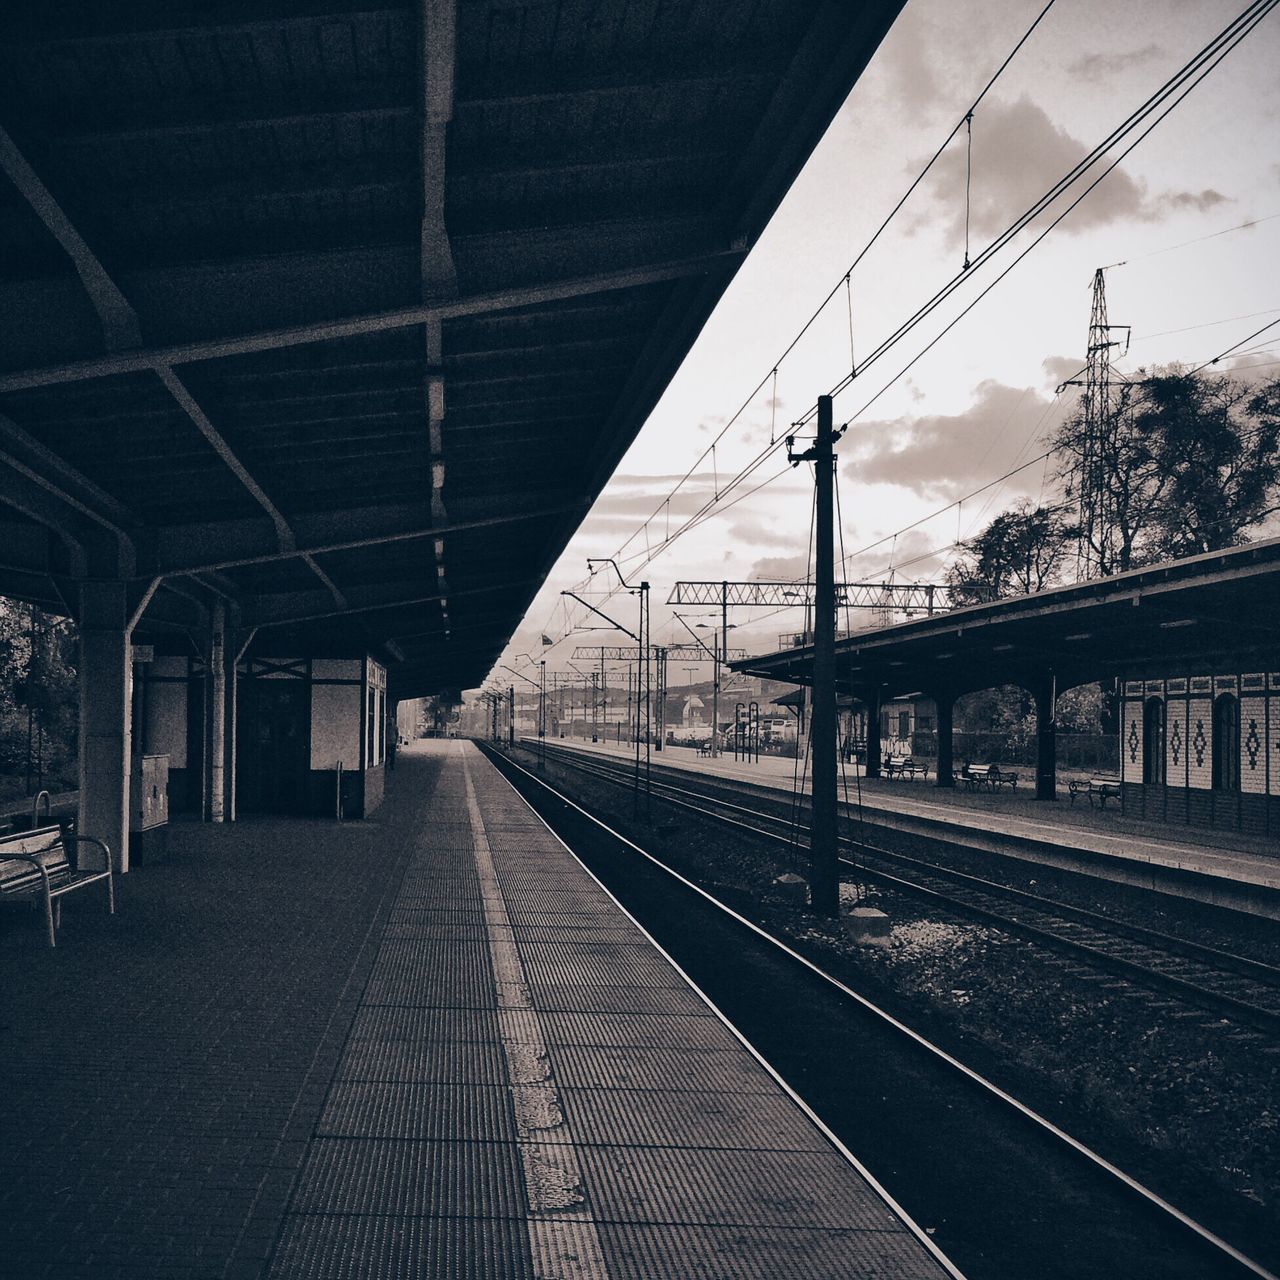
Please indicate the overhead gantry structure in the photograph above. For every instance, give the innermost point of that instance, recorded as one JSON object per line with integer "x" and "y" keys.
{"x": 335, "y": 317}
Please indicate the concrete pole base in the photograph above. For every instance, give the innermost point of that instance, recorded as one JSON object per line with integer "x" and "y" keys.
{"x": 866, "y": 925}
{"x": 792, "y": 889}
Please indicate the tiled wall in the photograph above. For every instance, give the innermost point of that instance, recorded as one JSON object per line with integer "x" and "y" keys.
{"x": 1188, "y": 794}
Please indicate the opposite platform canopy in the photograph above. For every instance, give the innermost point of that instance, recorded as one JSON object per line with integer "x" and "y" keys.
{"x": 345, "y": 313}
{"x": 1206, "y": 614}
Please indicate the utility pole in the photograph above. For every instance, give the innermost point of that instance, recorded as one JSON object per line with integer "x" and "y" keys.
{"x": 660, "y": 660}
{"x": 724, "y": 633}
{"x": 1098, "y": 550}
{"x": 715, "y": 695}
{"x": 824, "y": 875}
{"x": 511, "y": 723}
{"x": 542, "y": 714}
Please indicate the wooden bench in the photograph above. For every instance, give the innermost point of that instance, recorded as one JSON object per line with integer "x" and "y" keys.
{"x": 988, "y": 776}
{"x": 904, "y": 767}
{"x": 35, "y": 867}
{"x": 1102, "y": 788}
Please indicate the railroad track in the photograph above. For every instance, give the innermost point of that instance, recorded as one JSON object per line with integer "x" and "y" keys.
{"x": 1220, "y": 983}
{"x": 1014, "y": 1194}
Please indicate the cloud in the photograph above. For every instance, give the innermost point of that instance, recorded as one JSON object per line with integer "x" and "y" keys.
{"x": 780, "y": 568}
{"x": 755, "y": 533}
{"x": 1058, "y": 369}
{"x": 1200, "y": 201}
{"x": 943, "y": 456}
{"x": 1095, "y": 67}
{"x": 1018, "y": 155}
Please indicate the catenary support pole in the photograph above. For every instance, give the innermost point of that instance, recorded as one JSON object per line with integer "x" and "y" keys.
{"x": 824, "y": 878}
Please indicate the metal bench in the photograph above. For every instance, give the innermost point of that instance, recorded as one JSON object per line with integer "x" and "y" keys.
{"x": 35, "y": 867}
{"x": 904, "y": 767}
{"x": 1101, "y": 788}
{"x": 988, "y": 776}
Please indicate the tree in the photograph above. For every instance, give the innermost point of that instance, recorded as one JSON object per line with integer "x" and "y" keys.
{"x": 1021, "y": 551}
{"x": 1191, "y": 463}
{"x": 1217, "y": 443}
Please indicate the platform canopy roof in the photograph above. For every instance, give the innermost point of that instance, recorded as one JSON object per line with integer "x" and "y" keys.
{"x": 1208, "y": 613}
{"x": 344, "y": 312}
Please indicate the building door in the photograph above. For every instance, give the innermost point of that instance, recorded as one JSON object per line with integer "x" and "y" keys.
{"x": 273, "y": 745}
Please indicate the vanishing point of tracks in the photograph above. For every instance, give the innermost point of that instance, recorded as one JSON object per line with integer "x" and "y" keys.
{"x": 1243, "y": 991}
{"x": 1003, "y": 1191}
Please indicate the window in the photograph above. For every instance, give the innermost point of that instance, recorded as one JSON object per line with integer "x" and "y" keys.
{"x": 1226, "y": 743}
{"x": 1153, "y": 741}
{"x": 904, "y": 724}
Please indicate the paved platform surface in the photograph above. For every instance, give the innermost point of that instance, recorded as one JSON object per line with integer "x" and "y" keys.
{"x": 425, "y": 1045}
{"x": 1231, "y": 855}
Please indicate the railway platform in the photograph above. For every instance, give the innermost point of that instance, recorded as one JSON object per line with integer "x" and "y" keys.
{"x": 427, "y": 1044}
{"x": 1215, "y": 866}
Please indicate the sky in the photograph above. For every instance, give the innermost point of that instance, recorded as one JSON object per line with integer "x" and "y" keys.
{"x": 917, "y": 462}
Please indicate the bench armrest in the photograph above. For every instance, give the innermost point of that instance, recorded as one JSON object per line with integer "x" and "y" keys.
{"x": 106, "y": 853}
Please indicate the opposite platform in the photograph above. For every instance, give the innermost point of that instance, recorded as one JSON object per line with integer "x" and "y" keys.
{"x": 530, "y": 1088}
{"x": 1228, "y": 868}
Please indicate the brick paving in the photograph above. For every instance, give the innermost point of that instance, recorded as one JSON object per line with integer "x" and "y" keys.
{"x": 162, "y": 1070}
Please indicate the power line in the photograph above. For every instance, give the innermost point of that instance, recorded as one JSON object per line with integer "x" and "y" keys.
{"x": 862, "y": 253}
{"x": 1185, "y": 80}
{"x": 1190, "y": 75}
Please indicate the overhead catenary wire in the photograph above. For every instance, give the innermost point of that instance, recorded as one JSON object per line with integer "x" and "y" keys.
{"x": 862, "y": 253}
{"x": 1189, "y": 76}
{"x": 1173, "y": 92}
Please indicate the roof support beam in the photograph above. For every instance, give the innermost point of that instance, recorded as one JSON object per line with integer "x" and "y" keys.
{"x": 119, "y": 323}
{"x": 177, "y": 388}
{"x": 190, "y": 549}
{"x": 375, "y": 322}
{"x": 286, "y": 608}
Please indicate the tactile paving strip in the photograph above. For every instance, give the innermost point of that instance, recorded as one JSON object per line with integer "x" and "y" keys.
{"x": 663, "y": 1117}
{"x": 636, "y": 1252}
{"x": 633, "y": 1031}
{"x": 475, "y": 1061}
{"x": 408, "y": 1022}
{"x": 346, "y": 1248}
{"x": 417, "y": 1110}
{"x": 435, "y": 1179}
{"x": 565, "y": 997}
{"x": 730, "y": 1188}
{"x": 597, "y": 964}
{"x": 646, "y": 1067}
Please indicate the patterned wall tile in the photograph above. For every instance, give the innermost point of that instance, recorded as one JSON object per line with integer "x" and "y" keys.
{"x": 1175, "y": 737}
{"x": 1253, "y": 745}
{"x": 1273, "y": 743}
{"x": 1131, "y": 743}
{"x": 1199, "y": 742}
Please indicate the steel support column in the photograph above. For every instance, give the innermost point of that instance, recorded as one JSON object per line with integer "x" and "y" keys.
{"x": 105, "y": 714}
{"x": 216, "y": 740}
{"x": 1046, "y": 695}
{"x": 872, "y": 700}
{"x": 945, "y": 704}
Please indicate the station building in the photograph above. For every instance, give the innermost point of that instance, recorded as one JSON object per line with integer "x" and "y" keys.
{"x": 310, "y": 734}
